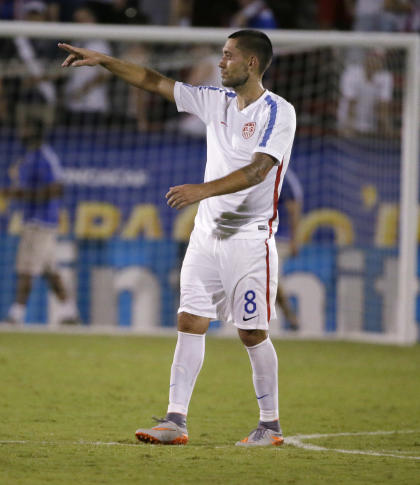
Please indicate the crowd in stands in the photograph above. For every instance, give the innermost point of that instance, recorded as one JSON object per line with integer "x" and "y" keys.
{"x": 86, "y": 96}
{"x": 363, "y": 15}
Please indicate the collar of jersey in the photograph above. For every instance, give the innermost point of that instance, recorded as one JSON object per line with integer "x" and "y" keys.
{"x": 253, "y": 104}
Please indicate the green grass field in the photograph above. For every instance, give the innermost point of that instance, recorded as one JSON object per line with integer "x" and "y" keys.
{"x": 69, "y": 406}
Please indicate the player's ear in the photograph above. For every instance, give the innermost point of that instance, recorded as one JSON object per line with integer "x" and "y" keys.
{"x": 253, "y": 62}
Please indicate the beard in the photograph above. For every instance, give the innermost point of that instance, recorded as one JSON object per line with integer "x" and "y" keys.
{"x": 236, "y": 82}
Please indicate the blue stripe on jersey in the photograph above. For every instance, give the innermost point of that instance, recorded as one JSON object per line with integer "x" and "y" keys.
{"x": 271, "y": 121}
{"x": 230, "y": 94}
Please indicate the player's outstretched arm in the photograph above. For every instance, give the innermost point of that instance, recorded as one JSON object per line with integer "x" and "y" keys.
{"x": 252, "y": 174}
{"x": 139, "y": 76}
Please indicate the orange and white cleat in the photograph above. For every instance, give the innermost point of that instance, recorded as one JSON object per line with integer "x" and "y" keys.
{"x": 262, "y": 436}
{"x": 165, "y": 433}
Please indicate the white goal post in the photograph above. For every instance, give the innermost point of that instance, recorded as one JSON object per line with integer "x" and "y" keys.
{"x": 405, "y": 329}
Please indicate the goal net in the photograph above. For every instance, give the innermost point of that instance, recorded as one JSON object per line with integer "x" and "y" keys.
{"x": 120, "y": 246}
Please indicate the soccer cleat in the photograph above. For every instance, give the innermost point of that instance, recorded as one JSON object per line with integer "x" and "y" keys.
{"x": 165, "y": 433}
{"x": 262, "y": 436}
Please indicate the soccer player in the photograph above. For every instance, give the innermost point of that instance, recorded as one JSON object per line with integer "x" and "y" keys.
{"x": 37, "y": 187}
{"x": 230, "y": 267}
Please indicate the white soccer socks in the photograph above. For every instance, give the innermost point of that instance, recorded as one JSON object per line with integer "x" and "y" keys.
{"x": 187, "y": 363}
{"x": 68, "y": 310}
{"x": 188, "y": 359}
{"x": 264, "y": 364}
{"x": 17, "y": 313}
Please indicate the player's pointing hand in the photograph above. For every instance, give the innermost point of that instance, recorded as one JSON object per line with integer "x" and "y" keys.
{"x": 80, "y": 57}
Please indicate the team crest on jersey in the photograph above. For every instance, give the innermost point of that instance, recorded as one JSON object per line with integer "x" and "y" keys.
{"x": 248, "y": 129}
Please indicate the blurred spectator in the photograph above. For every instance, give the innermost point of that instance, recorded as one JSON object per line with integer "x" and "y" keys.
{"x": 334, "y": 14}
{"x": 63, "y": 10}
{"x": 291, "y": 196}
{"x": 181, "y": 13}
{"x": 37, "y": 186}
{"x": 253, "y": 14}
{"x": 56, "y": 10}
{"x": 158, "y": 12}
{"x": 413, "y": 18}
{"x": 85, "y": 91}
{"x": 128, "y": 12}
{"x": 397, "y": 14}
{"x": 32, "y": 86}
{"x": 380, "y": 15}
{"x": 366, "y": 96}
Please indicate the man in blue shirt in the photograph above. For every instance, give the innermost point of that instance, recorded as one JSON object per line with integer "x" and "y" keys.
{"x": 37, "y": 187}
{"x": 254, "y": 14}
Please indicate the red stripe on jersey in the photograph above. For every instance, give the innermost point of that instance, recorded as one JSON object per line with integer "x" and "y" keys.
{"x": 270, "y": 225}
{"x": 267, "y": 292}
{"x": 275, "y": 198}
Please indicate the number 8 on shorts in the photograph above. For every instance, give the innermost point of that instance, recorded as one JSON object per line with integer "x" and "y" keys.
{"x": 250, "y": 305}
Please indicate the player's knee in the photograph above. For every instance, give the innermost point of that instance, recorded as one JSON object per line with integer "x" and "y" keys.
{"x": 189, "y": 323}
{"x": 252, "y": 337}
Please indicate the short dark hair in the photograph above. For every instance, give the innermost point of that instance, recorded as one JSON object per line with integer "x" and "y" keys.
{"x": 256, "y": 42}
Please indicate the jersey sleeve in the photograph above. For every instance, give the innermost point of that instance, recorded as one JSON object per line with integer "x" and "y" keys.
{"x": 277, "y": 137}
{"x": 197, "y": 100}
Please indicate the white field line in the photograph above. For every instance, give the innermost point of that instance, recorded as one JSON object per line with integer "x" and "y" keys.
{"x": 357, "y": 433}
{"x": 296, "y": 441}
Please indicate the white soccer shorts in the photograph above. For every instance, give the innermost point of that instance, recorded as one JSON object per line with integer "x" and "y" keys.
{"x": 233, "y": 280}
{"x": 37, "y": 250}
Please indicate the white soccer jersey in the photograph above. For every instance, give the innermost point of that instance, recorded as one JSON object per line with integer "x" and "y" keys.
{"x": 267, "y": 125}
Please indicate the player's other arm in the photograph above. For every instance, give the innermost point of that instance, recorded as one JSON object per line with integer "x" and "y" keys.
{"x": 139, "y": 76}
{"x": 252, "y": 174}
